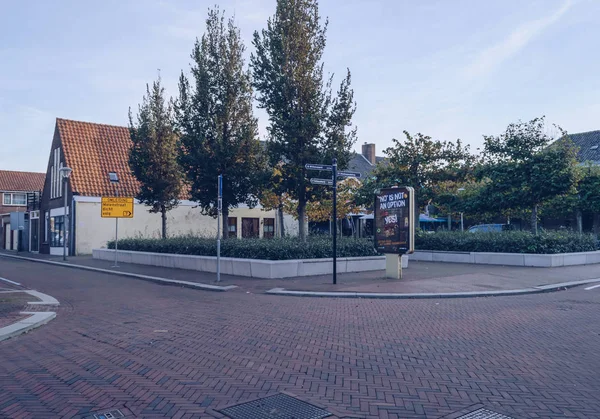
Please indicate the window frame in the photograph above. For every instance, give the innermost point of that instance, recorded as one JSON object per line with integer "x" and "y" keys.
{"x": 270, "y": 224}
{"x": 57, "y": 230}
{"x": 12, "y": 199}
{"x": 232, "y": 232}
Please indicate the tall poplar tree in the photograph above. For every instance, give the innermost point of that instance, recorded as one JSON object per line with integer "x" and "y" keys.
{"x": 215, "y": 120}
{"x": 153, "y": 157}
{"x": 306, "y": 125}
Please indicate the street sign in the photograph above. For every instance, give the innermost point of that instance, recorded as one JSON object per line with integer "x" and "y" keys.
{"x": 395, "y": 220}
{"x": 349, "y": 174}
{"x": 113, "y": 207}
{"x": 317, "y": 181}
{"x": 318, "y": 167}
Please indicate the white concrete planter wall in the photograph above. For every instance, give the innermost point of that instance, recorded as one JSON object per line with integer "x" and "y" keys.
{"x": 509, "y": 259}
{"x": 254, "y": 268}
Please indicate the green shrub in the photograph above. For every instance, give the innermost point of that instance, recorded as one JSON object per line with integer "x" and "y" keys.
{"x": 507, "y": 242}
{"x": 271, "y": 249}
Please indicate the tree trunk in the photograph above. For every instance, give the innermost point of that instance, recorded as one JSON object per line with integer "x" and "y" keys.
{"x": 225, "y": 215}
{"x": 163, "y": 214}
{"x": 579, "y": 217}
{"x": 301, "y": 220}
{"x": 281, "y": 225}
{"x": 596, "y": 224}
{"x": 449, "y": 221}
{"x": 534, "y": 219}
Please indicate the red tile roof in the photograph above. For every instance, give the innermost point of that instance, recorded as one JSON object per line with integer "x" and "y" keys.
{"x": 21, "y": 181}
{"x": 92, "y": 150}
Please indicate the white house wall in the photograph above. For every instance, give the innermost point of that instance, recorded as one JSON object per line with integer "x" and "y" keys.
{"x": 92, "y": 231}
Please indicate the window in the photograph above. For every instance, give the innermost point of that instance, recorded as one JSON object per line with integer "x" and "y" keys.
{"x": 55, "y": 177}
{"x": 47, "y": 227}
{"x": 232, "y": 221}
{"x": 268, "y": 228}
{"x": 250, "y": 227}
{"x": 15, "y": 199}
{"x": 57, "y": 230}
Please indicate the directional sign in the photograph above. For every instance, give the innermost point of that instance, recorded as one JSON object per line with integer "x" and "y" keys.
{"x": 317, "y": 181}
{"x": 113, "y": 207}
{"x": 318, "y": 167}
{"x": 349, "y": 174}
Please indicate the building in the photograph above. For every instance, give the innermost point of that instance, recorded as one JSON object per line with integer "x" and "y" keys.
{"x": 92, "y": 151}
{"x": 17, "y": 189}
{"x": 589, "y": 146}
{"x": 365, "y": 162}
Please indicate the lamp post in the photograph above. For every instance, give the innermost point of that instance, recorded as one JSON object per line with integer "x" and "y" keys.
{"x": 114, "y": 179}
{"x": 65, "y": 173}
{"x": 462, "y": 224}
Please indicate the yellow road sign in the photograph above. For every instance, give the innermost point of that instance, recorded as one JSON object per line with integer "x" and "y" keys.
{"x": 113, "y": 207}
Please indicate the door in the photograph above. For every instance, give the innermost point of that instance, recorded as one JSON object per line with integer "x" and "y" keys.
{"x": 15, "y": 235}
{"x": 250, "y": 227}
{"x": 7, "y": 232}
{"x": 35, "y": 235}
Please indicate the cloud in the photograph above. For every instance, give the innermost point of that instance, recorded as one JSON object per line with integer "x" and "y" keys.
{"x": 492, "y": 57}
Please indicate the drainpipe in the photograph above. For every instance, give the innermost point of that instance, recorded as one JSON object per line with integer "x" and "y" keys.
{"x": 72, "y": 227}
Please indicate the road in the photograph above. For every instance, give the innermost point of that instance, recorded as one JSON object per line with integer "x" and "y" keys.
{"x": 160, "y": 351}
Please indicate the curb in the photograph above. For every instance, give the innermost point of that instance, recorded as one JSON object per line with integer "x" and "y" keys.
{"x": 399, "y": 296}
{"x": 36, "y": 320}
{"x": 46, "y": 300}
{"x": 155, "y": 279}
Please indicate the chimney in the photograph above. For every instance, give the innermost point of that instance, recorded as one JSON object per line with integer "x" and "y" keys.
{"x": 368, "y": 150}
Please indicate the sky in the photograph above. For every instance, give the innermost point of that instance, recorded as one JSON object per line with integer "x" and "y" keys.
{"x": 448, "y": 69}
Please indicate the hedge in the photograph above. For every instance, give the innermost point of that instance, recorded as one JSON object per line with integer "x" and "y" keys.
{"x": 271, "y": 249}
{"x": 507, "y": 242}
{"x": 317, "y": 247}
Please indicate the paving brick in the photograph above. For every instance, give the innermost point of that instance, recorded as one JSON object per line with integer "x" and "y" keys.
{"x": 529, "y": 356}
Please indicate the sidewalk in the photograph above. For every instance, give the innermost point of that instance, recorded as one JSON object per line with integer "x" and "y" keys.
{"x": 420, "y": 277}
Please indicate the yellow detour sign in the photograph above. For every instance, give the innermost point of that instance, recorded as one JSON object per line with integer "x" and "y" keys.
{"x": 117, "y": 207}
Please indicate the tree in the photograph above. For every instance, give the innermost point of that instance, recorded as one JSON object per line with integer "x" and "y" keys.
{"x": 524, "y": 167}
{"x": 322, "y": 210}
{"x": 306, "y": 125}
{"x": 585, "y": 197}
{"x": 420, "y": 162}
{"x": 153, "y": 157}
{"x": 215, "y": 120}
{"x": 272, "y": 195}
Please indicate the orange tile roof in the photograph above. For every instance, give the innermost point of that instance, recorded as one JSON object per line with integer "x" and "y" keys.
{"x": 92, "y": 150}
{"x": 11, "y": 181}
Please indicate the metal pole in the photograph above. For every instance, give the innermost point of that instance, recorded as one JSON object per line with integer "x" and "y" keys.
{"x": 334, "y": 178}
{"x": 65, "y": 221}
{"x": 219, "y": 210}
{"x": 462, "y": 224}
{"x": 116, "y": 265}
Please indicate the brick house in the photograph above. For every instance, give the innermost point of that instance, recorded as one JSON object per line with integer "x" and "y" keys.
{"x": 15, "y": 189}
{"x": 92, "y": 151}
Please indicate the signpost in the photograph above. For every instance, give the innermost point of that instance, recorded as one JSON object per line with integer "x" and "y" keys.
{"x": 395, "y": 226}
{"x": 116, "y": 207}
{"x": 219, "y": 212}
{"x": 331, "y": 182}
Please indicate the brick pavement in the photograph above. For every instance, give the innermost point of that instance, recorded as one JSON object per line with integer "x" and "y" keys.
{"x": 157, "y": 351}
